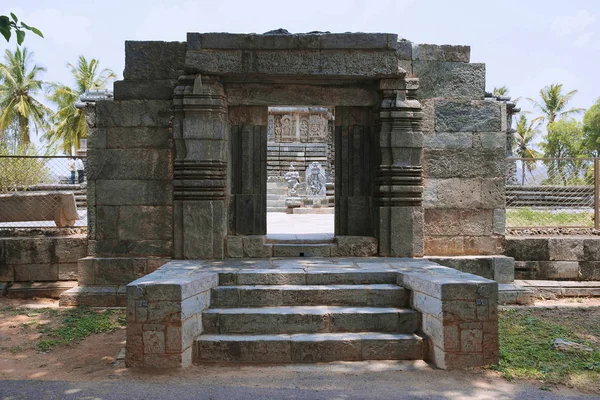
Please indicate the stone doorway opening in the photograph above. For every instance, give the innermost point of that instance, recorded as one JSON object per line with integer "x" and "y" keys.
{"x": 300, "y": 173}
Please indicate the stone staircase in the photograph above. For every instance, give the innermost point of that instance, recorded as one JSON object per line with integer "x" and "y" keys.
{"x": 288, "y": 316}
{"x": 276, "y": 195}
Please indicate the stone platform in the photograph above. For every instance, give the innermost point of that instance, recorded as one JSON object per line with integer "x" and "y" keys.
{"x": 311, "y": 310}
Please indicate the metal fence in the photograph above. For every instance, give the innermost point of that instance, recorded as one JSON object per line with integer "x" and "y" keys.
{"x": 42, "y": 192}
{"x": 552, "y": 193}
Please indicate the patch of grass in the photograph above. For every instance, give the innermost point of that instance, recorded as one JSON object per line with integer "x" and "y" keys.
{"x": 526, "y": 352}
{"x": 77, "y": 324}
{"x": 527, "y": 217}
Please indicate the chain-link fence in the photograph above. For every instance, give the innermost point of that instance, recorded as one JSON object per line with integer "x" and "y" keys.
{"x": 552, "y": 193}
{"x": 42, "y": 192}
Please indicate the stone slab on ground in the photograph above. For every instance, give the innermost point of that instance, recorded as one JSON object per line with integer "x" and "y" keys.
{"x": 29, "y": 290}
{"x": 551, "y": 289}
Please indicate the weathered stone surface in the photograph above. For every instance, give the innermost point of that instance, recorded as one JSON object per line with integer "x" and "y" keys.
{"x": 490, "y": 141}
{"x": 235, "y": 248}
{"x": 591, "y": 249}
{"x": 255, "y": 349}
{"x": 565, "y": 249}
{"x": 158, "y": 89}
{"x": 452, "y": 80}
{"x": 483, "y": 245}
{"x": 316, "y": 348}
{"x": 404, "y": 50}
{"x": 67, "y": 271}
{"x": 527, "y": 249}
{"x": 130, "y": 164}
{"x": 118, "y": 271}
{"x": 28, "y": 251}
{"x": 443, "y": 140}
{"x": 204, "y": 229}
{"x": 69, "y": 250}
{"x": 468, "y": 193}
{"x": 467, "y": 116}
{"x": 134, "y": 192}
{"x": 133, "y": 113}
{"x": 456, "y": 222}
{"x": 500, "y": 221}
{"x": 255, "y": 247}
{"x": 137, "y": 137}
{"x": 433, "y": 52}
{"x": 145, "y": 222}
{"x": 463, "y": 164}
{"x": 590, "y": 270}
{"x": 317, "y": 41}
{"x": 360, "y": 64}
{"x": 154, "y": 60}
{"x": 36, "y": 272}
{"x": 298, "y": 94}
{"x": 444, "y": 246}
{"x": 355, "y": 246}
{"x": 7, "y": 272}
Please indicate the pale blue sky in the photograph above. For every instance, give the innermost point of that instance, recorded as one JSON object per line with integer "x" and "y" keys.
{"x": 525, "y": 44}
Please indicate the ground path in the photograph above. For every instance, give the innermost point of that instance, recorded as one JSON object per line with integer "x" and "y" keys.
{"x": 372, "y": 380}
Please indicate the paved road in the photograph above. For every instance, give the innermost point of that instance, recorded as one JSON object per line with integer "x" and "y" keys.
{"x": 280, "y": 383}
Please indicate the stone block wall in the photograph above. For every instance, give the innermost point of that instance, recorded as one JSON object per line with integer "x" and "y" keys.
{"x": 164, "y": 315}
{"x": 464, "y": 158}
{"x": 459, "y": 315}
{"x": 555, "y": 258}
{"x": 40, "y": 259}
{"x": 130, "y": 166}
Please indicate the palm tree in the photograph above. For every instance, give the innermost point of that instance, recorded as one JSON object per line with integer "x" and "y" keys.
{"x": 522, "y": 143}
{"x": 18, "y": 85}
{"x": 554, "y": 103}
{"x": 68, "y": 123}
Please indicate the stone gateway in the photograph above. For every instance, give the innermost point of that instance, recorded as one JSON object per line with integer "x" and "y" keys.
{"x": 177, "y": 170}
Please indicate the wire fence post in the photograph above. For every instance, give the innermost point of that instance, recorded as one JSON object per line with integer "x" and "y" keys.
{"x": 596, "y": 193}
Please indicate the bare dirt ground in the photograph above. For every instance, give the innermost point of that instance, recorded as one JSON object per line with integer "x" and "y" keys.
{"x": 95, "y": 359}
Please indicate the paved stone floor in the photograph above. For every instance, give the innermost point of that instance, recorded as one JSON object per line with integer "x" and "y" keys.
{"x": 308, "y": 265}
{"x": 282, "y": 226}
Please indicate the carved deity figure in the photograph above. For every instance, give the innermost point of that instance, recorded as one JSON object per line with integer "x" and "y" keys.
{"x": 292, "y": 177}
{"x": 315, "y": 180}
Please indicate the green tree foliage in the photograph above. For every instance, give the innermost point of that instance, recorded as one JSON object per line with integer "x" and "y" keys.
{"x": 591, "y": 129}
{"x": 523, "y": 137}
{"x": 19, "y": 173}
{"x": 553, "y": 103}
{"x": 10, "y": 24}
{"x": 18, "y": 86}
{"x": 564, "y": 140}
{"x": 68, "y": 123}
{"x": 500, "y": 91}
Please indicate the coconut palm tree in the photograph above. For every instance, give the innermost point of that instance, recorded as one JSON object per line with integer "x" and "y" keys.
{"x": 523, "y": 140}
{"x": 18, "y": 86}
{"x": 554, "y": 103}
{"x": 68, "y": 123}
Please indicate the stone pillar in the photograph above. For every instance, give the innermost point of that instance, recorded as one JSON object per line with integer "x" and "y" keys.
{"x": 398, "y": 184}
{"x": 200, "y": 133}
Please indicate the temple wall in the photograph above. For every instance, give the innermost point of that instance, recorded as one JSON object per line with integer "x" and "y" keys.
{"x": 464, "y": 157}
{"x": 130, "y": 168}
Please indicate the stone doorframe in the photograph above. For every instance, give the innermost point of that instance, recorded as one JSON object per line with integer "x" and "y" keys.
{"x": 218, "y": 215}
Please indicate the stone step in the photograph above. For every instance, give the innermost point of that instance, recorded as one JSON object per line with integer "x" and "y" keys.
{"x": 312, "y": 276}
{"x": 309, "y": 319}
{"x": 276, "y": 209}
{"x": 307, "y": 348}
{"x": 276, "y": 196}
{"x": 385, "y": 295}
{"x": 275, "y": 203}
